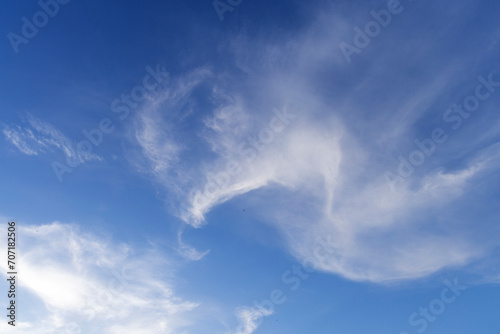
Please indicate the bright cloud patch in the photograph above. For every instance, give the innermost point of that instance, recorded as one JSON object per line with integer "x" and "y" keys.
{"x": 75, "y": 282}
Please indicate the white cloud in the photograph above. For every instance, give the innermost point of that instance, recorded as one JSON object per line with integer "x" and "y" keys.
{"x": 17, "y": 137}
{"x": 158, "y": 135}
{"x": 326, "y": 168}
{"x": 250, "y": 318}
{"x": 70, "y": 281}
{"x": 331, "y": 185}
{"x": 188, "y": 251}
{"x": 328, "y": 187}
{"x": 40, "y": 137}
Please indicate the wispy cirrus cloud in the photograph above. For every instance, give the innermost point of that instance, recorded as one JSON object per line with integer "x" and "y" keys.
{"x": 38, "y": 137}
{"x": 323, "y": 174}
{"x": 250, "y": 318}
{"x": 187, "y": 251}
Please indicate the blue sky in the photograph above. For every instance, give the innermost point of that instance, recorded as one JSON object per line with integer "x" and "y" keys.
{"x": 240, "y": 167}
